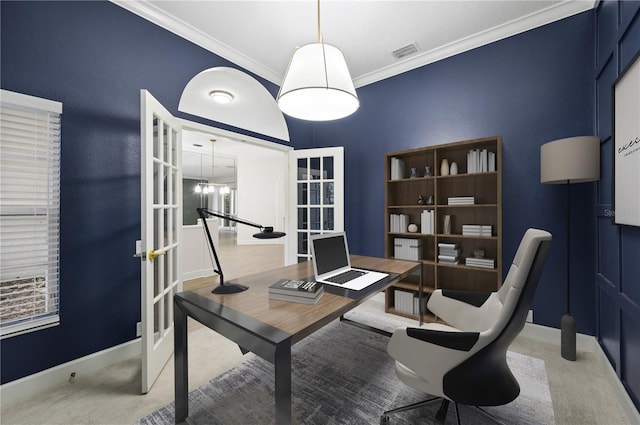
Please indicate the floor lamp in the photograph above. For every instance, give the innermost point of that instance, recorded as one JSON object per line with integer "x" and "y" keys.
{"x": 265, "y": 233}
{"x": 568, "y": 161}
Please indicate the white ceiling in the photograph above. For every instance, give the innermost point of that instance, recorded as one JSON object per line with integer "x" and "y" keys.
{"x": 261, "y": 35}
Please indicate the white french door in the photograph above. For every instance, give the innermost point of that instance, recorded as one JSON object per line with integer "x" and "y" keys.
{"x": 316, "y": 198}
{"x": 161, "y": 206}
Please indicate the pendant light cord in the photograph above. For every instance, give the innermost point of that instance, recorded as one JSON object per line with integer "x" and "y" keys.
{"x": 319, "y": 36}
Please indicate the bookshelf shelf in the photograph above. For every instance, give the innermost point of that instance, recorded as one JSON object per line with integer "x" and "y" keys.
{"x": 401, "y": 199}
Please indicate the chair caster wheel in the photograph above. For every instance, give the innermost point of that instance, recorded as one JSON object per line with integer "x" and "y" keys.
{"x": 384, "y": 420}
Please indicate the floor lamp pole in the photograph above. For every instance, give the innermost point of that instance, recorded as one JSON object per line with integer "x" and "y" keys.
{"x": 568, "y": 323}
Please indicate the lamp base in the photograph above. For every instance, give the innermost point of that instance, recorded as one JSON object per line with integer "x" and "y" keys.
{"x": 229, "y": 288}
{"x": 568, "y": 337}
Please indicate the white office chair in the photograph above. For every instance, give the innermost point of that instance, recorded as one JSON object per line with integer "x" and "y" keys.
{"x": 465, "y": 360}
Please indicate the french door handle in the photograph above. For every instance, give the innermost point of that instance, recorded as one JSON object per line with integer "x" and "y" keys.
{"x": 153, "y": 254}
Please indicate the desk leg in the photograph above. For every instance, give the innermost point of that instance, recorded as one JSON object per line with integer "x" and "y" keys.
{"x": 283, "y": 383}
{"x": 181, "y": 366}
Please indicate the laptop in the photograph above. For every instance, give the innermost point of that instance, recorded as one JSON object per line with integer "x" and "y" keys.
{"x": 332, "y": 266}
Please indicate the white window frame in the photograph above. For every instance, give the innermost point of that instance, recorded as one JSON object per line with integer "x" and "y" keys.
{"x": 29, "y": 209}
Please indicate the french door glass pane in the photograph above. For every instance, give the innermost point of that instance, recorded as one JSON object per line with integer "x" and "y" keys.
{"x": 327, "y": 196}
{"x": 327, "y": 167}
{"x": 328, "y": 222}
{"x": 302, "y": 243}
{"x": 314, "y": 193}
{"x": 302, "y": 193}
{"x": 165, "y": 143}
{"x": 315, "y": 218}
{"x": 302, "y": 168}
{"x": 314, "y": 165}
{"x": 303, "y": 222}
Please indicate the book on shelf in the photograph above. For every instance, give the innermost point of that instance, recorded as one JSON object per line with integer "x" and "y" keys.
{"x": 481, "y": 161}
{"x": 448, "y": 262}
{"x": 427, "y": 222}
{"x": 487, "y": 263}
{"x": 397, "y": 168}
{"x": 448, "y": 253}
{"x": 406, "y": 302}
{"x": 477, "y": 229}
{"x": 461, "y": 200}
{"x": 398, "y": 223}
{"x": 296, "y": 288}
{"x": 447, "y": 258}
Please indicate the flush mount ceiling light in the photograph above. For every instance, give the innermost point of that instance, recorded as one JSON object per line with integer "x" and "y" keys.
{"x": 317, "y": 85}
{"x": 221, "y": 96}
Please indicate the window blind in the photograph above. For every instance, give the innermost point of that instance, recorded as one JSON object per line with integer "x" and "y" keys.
{"x": 29, "y": 212}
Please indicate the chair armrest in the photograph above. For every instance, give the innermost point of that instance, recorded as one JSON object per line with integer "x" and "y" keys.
{"x": 473, "y": 298}
{"x": 462, "y": 341}
{"x": 474, "y": 312}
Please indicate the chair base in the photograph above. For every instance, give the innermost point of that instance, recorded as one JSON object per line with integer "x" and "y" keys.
{"x": 441, "y": 415}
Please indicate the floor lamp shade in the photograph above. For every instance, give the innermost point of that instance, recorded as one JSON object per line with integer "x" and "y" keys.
{"x": 317, "y": 85}
{"x": 571, "y": 160}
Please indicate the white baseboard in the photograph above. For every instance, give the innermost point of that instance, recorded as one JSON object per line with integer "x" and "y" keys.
{"x": 590, "y": 344}
{"x": 195, "y": 274}
{"x": 33, "y": 384}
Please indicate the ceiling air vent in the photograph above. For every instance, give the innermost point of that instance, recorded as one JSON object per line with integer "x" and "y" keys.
{"x": 405, "y": 51}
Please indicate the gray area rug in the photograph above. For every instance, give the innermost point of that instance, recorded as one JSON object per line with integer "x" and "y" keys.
{"x": 343, "y": 375}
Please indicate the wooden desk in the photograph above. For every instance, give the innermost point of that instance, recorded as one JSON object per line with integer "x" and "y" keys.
{"x": 269, "y": 327}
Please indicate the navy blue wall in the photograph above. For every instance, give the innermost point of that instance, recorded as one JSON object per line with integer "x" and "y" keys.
{"x": 530, "y": 89}
{"x": 94, "y": 57}
{"x": 618, "y": 247}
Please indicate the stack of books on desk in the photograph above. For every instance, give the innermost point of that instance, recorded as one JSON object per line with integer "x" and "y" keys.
{"x": 299, "y": 291}
{"x": 448, "y": 253}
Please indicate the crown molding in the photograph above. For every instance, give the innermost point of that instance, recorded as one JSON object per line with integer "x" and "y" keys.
{"x": 545, "y": 16}
{"x": 194, "y": 35}
{"x": 534, "y": 20}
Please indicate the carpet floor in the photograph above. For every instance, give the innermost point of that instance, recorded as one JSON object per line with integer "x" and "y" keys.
{"x": 343, "y": 375}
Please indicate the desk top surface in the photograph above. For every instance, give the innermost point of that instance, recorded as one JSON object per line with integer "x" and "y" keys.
{"x": 253, "y": 307}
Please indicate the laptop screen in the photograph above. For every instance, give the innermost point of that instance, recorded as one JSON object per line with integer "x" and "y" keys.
{"x": 330, "y": 252}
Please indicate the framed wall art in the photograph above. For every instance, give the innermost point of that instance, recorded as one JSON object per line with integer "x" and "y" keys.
{"x": 626, "y": 145}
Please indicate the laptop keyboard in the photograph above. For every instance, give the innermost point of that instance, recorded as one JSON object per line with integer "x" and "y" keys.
{"x": 345, "y": 277}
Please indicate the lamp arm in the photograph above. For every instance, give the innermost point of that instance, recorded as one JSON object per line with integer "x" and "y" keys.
{"x": 202, "y": 211}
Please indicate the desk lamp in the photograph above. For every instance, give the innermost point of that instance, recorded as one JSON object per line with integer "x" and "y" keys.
{"x": 265, "y": 233}
{"x": 568, "y": 161}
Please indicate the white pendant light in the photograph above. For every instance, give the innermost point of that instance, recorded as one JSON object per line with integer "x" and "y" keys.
{"x": 317, "y": 85}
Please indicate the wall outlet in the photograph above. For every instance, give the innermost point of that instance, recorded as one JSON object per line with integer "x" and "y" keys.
{"x": 139, "y": 329}
{"x": 530, "y": 316}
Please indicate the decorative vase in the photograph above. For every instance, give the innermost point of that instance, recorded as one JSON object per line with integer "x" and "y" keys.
{"x": 414, "y": 173}
{"x": 430, "y": 200}
{"x": 453, "y": 168}
{"x": 413, "y": 228}
{"x": 420, "y": 200}
{"x": 444, "y": 167}
{"x": 427, "y": 171}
